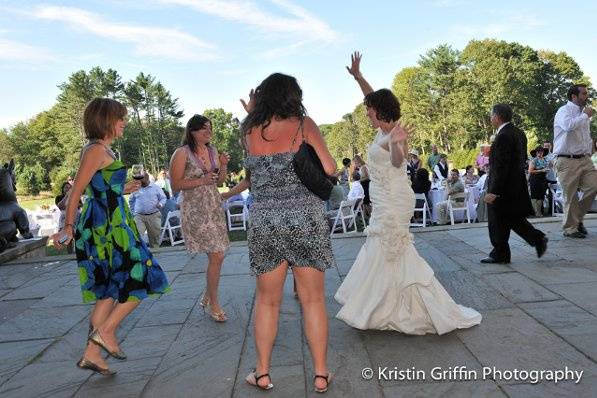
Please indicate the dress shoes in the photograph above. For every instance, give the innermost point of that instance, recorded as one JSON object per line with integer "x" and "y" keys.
{"x": 575, "y": 234}
{"x": 491, "y": 260}
{"x": 541, "y": 246}
{"x": 582, "y": 229}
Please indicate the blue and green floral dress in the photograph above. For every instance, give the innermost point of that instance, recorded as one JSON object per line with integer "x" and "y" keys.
{"x": 114, "y": 262}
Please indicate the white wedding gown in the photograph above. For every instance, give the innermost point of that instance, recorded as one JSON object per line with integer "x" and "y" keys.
{"x": 390, "y": 287}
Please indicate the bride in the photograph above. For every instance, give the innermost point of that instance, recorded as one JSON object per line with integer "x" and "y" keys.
{"x": 390, "y": 287}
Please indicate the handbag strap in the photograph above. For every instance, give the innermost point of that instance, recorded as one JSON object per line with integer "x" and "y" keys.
{"x": 300, "y": 128}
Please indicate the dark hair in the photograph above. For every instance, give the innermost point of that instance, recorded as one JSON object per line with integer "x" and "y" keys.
{"x": 345, "y": 161}
{"x": 443, "y": 156}
{"x": 166, "y": 193}
{"x": 385, "y": 103}
{"x": 503, "y": 111}
{"x": 455, "y": 171}
{"x": 533, "y": 153}
{"x": 545, "y": 151}
{"x": 100, "y": 117}
{"x": 196, "y": 122}
{"x": 422, "y": 174}
{"x": 540, "y": 148}
{"x": 64, "y": 184}
{"x": 278, "y": 95}
{"x": 468, "y": 167}
{"x": 574, "y": 90}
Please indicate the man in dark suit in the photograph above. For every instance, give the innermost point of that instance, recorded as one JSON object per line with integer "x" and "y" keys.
{"x": 507, "y": 197}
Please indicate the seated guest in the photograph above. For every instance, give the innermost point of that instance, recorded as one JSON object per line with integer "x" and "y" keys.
{"x": 414, "y": 163}
{"x": 356, "y": 189}
{"x": 145, "y": 205}
{"x": 440, "y": 171}
{"x": 343, "y": 175}
{"x": 454, "y": 187}
{"x": 170, "y": 205}
{"x": 421, "y": 184}
{"x": 336, "y": 196}
{"x": 469, "y": 177}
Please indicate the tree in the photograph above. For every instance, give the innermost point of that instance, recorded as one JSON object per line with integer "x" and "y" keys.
{"x": 226, "y": 136}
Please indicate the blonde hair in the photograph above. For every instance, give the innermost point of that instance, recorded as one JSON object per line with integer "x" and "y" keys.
{"x": 100, "y": 117}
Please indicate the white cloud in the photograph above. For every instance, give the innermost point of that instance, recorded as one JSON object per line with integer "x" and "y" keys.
{"x": 16, "y": 51}
{"x": 504, "y": 25}
{"x": 301, "y": 23}
{"x": 147, "y": 41}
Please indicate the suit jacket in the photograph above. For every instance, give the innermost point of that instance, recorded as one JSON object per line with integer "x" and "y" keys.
{"x": 507, "y": 172}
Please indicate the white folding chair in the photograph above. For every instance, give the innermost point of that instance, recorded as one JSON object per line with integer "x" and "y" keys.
{"x": 557, "y": 204}
{"x": 358, "y": 210}
{"x": 455, "y": 203}
{"x": 345, "y": 217}
{"x": 236, "y": 221}
{"x": 172, "y": 229}
{"x": 424, "y": 210}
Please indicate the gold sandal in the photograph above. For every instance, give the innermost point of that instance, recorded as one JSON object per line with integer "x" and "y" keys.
{"x": 86, "y": 364}
{"x": 253, "y": 380}
{"x": 216, "y": 316}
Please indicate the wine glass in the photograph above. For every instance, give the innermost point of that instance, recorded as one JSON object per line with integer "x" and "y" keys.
{"x": 138, "y": 171}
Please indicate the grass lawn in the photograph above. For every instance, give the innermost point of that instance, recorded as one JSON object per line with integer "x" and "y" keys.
{"x": 32, "y": 202}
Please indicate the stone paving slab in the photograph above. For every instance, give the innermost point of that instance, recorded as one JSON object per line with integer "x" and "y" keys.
{"x": 537, "y": 314}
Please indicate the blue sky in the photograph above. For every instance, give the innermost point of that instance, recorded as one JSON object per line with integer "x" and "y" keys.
{"x": 209, "y": 53}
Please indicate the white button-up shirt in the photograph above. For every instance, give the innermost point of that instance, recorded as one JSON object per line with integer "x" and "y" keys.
{"x": 571, "y": 132}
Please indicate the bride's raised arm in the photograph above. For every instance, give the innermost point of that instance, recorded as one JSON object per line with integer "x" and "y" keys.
{"x": 355, "y": 71}
{"x": 398, "y": 143}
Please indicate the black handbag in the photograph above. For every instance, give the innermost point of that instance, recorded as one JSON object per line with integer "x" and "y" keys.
{"x": 309, "y": 170}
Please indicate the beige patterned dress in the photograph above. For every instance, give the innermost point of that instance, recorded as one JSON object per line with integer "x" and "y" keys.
{"x": 203, "y": 222}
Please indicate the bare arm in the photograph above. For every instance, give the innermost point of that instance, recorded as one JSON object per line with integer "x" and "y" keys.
{"x": 93, "y": 159}
{"x": 238, "y": 188}
{"x": 355, "y": 71}
{"x": 314, "y": 138}
{"x": 222, "y": 160}
{"x": 177, "y": 180}
{"x": 398, "y": 143}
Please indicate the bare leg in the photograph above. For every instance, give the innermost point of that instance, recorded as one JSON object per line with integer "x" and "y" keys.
{"x": 311, "y": 290}
{"x": 267, "y": 312}
{"x": 108, "y": 328}
{"x": 214, "y": 267}
{"x": 99, "y": 314}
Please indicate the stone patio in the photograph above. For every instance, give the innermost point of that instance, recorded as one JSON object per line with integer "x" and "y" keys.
{"x": 538, "y": 315}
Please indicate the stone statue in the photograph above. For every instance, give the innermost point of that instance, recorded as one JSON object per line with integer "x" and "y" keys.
{"x": 12, "y": 216}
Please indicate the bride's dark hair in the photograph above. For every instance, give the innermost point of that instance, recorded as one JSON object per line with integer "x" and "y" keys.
{"x": 385, "y": 103}
{"x": 279, "y": 96}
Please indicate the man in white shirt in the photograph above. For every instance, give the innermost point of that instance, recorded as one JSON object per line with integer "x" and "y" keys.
{"x": 574, "y": 169}
{"x": 441, "y": 169}
{"x": 145, "y": 205}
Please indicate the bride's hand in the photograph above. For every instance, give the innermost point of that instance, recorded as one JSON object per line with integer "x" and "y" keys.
{"x": 251, "y": 104}
{"x": 400, "y": 133}
{"x": 355, "y": 65}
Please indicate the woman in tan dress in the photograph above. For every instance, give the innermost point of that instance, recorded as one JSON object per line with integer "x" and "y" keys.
{"x": 196, "y": 169}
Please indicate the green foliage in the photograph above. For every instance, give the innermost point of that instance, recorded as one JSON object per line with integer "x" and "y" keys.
{"x": 226, "y": 136}
{"x": 448, "y": 95}
{"x": 460, "y": 158}
{"x": 30, "y": 179}
{"x": 59, "y": 176}
{"x": 53, "y": 139}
